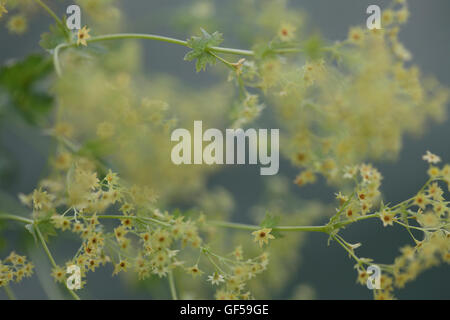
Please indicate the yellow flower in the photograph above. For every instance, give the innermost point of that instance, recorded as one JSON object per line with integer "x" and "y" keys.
{"x": 216, "y": 278}
{"x": 58, "y": 274}
{"x": 263, "y": 236}
{"x": 383, "y": 295}
{"x": 105, "y": 130}
{"x": 121, "y": 266}
{"x": 111, "y": 178}
{"x": 362, "y": 277}
{"x": 356, "y": 35}
{"x": 387, "y": 17}
{"x": 2, "y": 9}
{"x": 402, "y": 15}
{"x": 387, "y": 218}
{"x": 433, "y": 171}
{"x": 17, "y": 24}
{"x": 194, "y": 270}
{"x": 431, "y": 158}
{"x": 83, "y": 35}
{"x": 420, "y": 200}
{"x": 286, "y": 32}
{"x": 428, "y": 220}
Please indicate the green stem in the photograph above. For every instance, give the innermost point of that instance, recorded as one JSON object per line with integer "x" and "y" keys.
{"x": 14, "y": 217}
{"x": 367, "y": 216}
{"x": 418, "y": 228}
{"x": 206, "y": 252}
{"x": 352, "y": 254}
{"x": 9, "y": 293}
{"x": 118, "y": 36}
{"x": 50, "y": 257}
{"x": 134, "y": 217}
{"x": 173, "y": 290}
{"x": 56, "y": 62}
{"x": 241, "y": 226}
{"x": 225, "y": 62}
{"x": 144, "y": 36}
{"x": 55, "y": 17}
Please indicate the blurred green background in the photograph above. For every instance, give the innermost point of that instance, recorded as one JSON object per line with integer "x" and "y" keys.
{"x": 325, "y": 268}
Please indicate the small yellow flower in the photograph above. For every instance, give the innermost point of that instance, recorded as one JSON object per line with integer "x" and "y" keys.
{"x": 17, "y": 24}
{"x": 286, "y": 32}
{"x": 2, "y": 9}
{"x": 194, "y": 271}
{"x": 420, "y": 200}
{"x": 58, "y": 274}
{"x": 431, "y": 158}
{"x": 83, "y": 35}
{"x": 428, "y": 219}
{"x": 387, "y": 17}
{"x": 362, "y": 277}
{"x": 402, "y": 15}
{"x": 263, "y": 236}
{"x": 383, "y": 295}
{"x": 356, "y": 35}
{"x": 105, "y": 130}
{"x": 387, "y": 218}
{"x": 433, "y": 171}
{"x": 120, "y": 233}
{"x": 111, "y": 178}
{"x": 121, "y": 266}
{"x": 216, "y": 278}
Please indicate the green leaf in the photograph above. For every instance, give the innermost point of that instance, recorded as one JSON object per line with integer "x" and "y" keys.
{"x": 200, "y": 49}
{"x": 271, "y": 221}
{"x": 313, "y": 47}
{"x": 21, "y": 87}
{"x": 55, "y": 36}
{"x": 46, "y": 228}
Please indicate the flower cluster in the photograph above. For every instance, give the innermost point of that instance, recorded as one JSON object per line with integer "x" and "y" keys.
{"x": 341, "y": 103}
{"x": 146, "y": 241}
{"x": 426, "y": 212}
{"x": 14, "y": 268}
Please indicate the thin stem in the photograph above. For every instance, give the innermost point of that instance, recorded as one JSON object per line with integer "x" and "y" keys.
{"x": 239, "y": 52}
{"x": 56, "y": 62}
{"x": 14, "y": 217}
{"x": 118, "y": 36}
{"x": 288, "y": 50}
{"x": 54, "y": 16}
{"x": 44, "y": 245}
{"x": 134, "y": 217}
{"x": 352, "y": 254}
{"x": 367, "y": 216}
{"x": 145, "y": 36}
{"x": 225, "y": 62}
{"x": 213, "y": 262}
{"x": 241, "y": 226}
{"x": 418, "y": 228}
{"x": 173, "y": 290}
{"x": 50, "y": 257}
{"x": 9, "y": 292}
